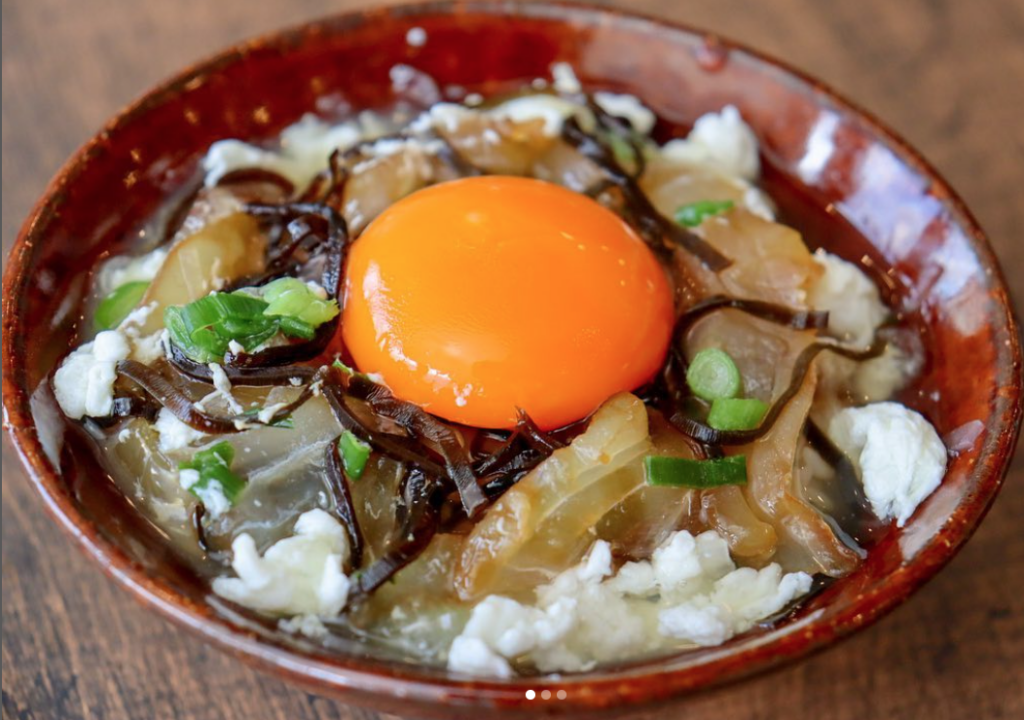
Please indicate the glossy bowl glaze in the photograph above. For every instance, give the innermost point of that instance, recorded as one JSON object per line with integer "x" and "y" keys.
{"x": 839, "y": 175}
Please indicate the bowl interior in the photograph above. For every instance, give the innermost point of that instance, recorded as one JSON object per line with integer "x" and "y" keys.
{"x": 839, "y": 177}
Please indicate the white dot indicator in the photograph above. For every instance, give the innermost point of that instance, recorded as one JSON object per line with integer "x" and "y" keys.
{"x": 562, "y": 694}
{"x": 545, "y": 695}
{"x": 530, "y": 694}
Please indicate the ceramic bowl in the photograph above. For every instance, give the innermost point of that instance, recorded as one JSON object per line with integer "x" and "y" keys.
{"x": 837, "y": 173}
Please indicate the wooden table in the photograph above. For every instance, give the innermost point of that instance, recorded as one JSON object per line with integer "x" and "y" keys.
{"x": 947, "y": 75}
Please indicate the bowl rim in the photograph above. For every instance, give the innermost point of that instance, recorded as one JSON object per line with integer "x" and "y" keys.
{"x": 409, "y": 685}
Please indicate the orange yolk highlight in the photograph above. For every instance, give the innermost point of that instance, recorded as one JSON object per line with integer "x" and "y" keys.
{"x": 479, "y": 296}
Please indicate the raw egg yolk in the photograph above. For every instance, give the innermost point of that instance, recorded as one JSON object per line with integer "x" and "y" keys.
{"x": 476, "y": 297}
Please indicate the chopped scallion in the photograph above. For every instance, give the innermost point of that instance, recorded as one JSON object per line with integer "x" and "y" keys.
{"x": 622, "y": 149}
{"x": 699, "y": 474}
{"x": 713, "y": 374}
{"x": 354, "y": 454}
{"x": 293, "y": 327}
{"x": 214, "y": 467}
{"x": 290, "y": 297}
{"x": 116, "y": 306}
{"x": 203, "y": 329}
{"x": 736, "y": 413}
{"x": 693, "y": 214}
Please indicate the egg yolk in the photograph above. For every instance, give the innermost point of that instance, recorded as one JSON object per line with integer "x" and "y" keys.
{"x": 476, "y": 297}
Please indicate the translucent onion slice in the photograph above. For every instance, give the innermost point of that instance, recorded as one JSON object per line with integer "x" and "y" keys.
{"x": 805, "y": 540}
{"x": 375, "y": 496}
{"x": 671, "y": 185}
{"x": 496, "y": 145}
{"x": 417, "y": 611}
{"x": 539, "y": 526}
{"x": 771, "y": 261}
{"x": 647, "y": 515}
{"x": 564, "y": 165}
{"x": 726, "y": 510}
{"x": 228, "y": 248}
{"x": 764, "y": 352}
{"x": 376, "y": 184}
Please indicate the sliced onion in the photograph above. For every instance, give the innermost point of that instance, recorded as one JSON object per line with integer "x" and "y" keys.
{"x": 805, "y": 540}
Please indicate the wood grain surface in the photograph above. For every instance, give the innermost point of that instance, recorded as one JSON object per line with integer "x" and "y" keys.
{"x": 947, "y": 75}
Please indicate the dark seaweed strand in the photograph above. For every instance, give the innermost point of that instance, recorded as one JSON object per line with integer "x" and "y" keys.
{"x": 200, "y": 529}
{"x": 524, "y": 449}
{"x": 495, "y": 483}
{"x": 660, "y": 233}
{"x": 856, "y": 519}
{"x": 311, "y": 227}
{"x": 772, "y": 312}
{"x": 417, "y": 527}
{"x": 335, "y": 232}
{"x": 128, "y": 406}
{"x": 328, "y": 185}
{"x": 623, "y": 129}
{"x": 424, "y": 490}
{"x": 299, "y": 231}
{"x": 174, "y": 399}
{"x": 537, "y": 440}
{"x": 419, "y": 423}
{"x": 703, "y": 433}
{"x": 283, "y": 355}
{"x": 257, "y": 175}
{"x": 170, "y": 396}
{"x": 334, "y": 236}
{"x": 338, "y": 483}
{"x": 397, "y": 447}
{"x": 239, "y": 374}
{"x": 509, "y": 454}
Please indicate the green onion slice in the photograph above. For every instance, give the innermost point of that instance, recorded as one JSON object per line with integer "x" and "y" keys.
{"x": 354, "y": 454}
{"x": 116, "y": 306}
{"x": 290, "y": 297}
{"x": 736, "y": 413}
{"x": 665, "y": 471}
{"x": 693, "y": 215}
{"x": 713, "y": 374}
{"x": 203, "y": 329}
{"x": 293, "y": 327}
{"x": 214, "y": 467}
{"x": 339, "y": 365}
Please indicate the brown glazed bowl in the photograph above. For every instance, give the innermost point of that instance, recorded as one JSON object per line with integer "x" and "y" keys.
{"x": 836, "y": 172}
